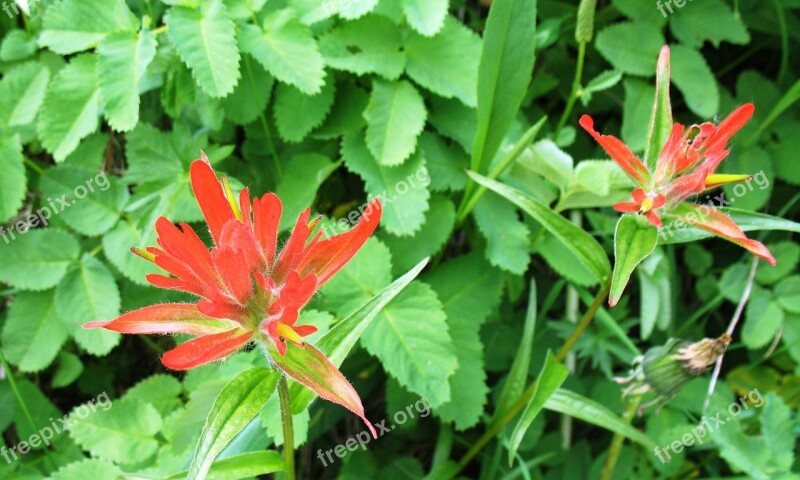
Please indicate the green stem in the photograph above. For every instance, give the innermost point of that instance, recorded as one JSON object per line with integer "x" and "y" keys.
{"x": 13, "y": 382}
{"x": 36, "y": 168}
{"x": 618, "y": 440}
{"x": 576, "y": 88}
{"x": 496, "y": 426}
{"x": 288, "y": 429}
{"x": 161, "y": 29}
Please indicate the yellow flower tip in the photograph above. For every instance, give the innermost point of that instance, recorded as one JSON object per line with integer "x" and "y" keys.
{"x": 287, "y": 332}
{"x": 717, "y": 179}
{"x": 647, "y": 204}
{"x": 144, "y": 254}
{"x": 226, "y": 185}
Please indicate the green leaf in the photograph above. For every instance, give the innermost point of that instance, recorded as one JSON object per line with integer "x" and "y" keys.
{"x": 582, "y": 408}
{"x": 763, "y": 317}
{"x": 87, "y": 468}
{"x": 402, "y": 189}
{"x": 550, "y": 379}
{"x": 160, "y": 390}
{"x": 636, "y": 113}
{"x": 564, "y": 262}
{"x": 656, "y": 293}
{"x": 694, "y": 79}
{"x": 206, "y": 41}
{"x": 787, "y": 291}
{"x": 17, "y": 45}
{"x": 787, "y": 254}
{"x": 411, "y": 338}
{"x": 117, "y": 248}
{"x": 509, "y": 44}
{"x": 395, "y": 118}
{"x": 426, "y": 16}
{"x": 634, "y": 240}
{"x": 94, "y": 201}
{"x": 673, "y": 232}
{"x": 13, "y": 182}
{"x": 88, "y": 293}
{"x": 69, "y": 369}
{"x": 336, "y": 344}
{"x": 712, "y": 20}
{"x": 251, "y": 95}
{"x": 245, "y": 465}
{"x": 70, "y": 26}
{"x": 70, "y": 110}
{"x": 446, "y": 64}
{"x": 287, "y": 49}
{"x": 297, "y": 114}
{"x": 638, "y": 10}
{"x": 583, "y": 245}
{"x": 661, "y": 118}
{"x": 22, "y": 92}
{"x": 304, "y": 175}
{"x": 351, "y": 10}
{"x": 124, "y": 433}
{"x": 468, "y": 300}
{"x": 236, "y": 405}
{"x": 447, "y": 164}
{"x": 373, "y": 44}
{"x": 601, "y": 82}
{"x": 631, "y": 47}
{"x": 31, "y": 263}
{"x": 122, "y": 60}
{"x": 40, "y": 407}
{"x": 33, "y": 333}
{"x": 361, "y": 279}
{"x": 507, "y": 237}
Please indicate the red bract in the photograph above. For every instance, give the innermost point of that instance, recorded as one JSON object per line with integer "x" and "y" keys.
{"x": 685, "y": 168}
{"x": 248, "y": 291}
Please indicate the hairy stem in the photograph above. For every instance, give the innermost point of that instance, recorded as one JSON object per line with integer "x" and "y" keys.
{"x": 288, "y": 429}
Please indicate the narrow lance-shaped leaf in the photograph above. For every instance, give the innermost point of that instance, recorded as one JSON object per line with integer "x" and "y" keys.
{"x": 634, "y": 240}
{"x": 245, "y": 465}
{"x": 679, "y": 232}
{"x": 661, "y": 118}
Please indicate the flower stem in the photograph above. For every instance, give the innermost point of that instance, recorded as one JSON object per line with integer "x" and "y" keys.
{"x": 585, "y": 321}
{"x": 288, "y": 430}
{"x": 618, "y": 440}
{"x": 576, "y": 87}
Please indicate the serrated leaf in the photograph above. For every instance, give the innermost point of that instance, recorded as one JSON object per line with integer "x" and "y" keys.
{"x": 117, "y": 244}
{"x": 426, "y": 16}
{"x": 631, "y": 47}
{"x": 206, "y": 41}
{"x": 122, "y": 60}
{"x": 694, "y": 79}
{"x": 33, "y": 333}
{"x": 297, "y": 114}
{"x": 693, "y": 26}
{"x": 70, "y": 110}
{"x": 70, "y": 26}
{"x": 395, "y": 117}
{"x": 446, "y": 64}
{"x": 287, "y": 49}
{"x": 402, "y": 189}
{"x": 40, "y": 407}
{"x": 411, "y": 338}
{"x": 87, "y": 468}
{"x": 251, "y": 95}
{"x": 373, "y": 44}
{"x": 361, "y": 279}
{"x": 507, "y": 237}
{"x": 638, "y": 10}
{"x": 346, "y": 115}
{"x": 22, "y": 92}
{"x": 298, "y": 188}
{"x": 160, "y": 390}
{"x": 124, "y": 433}
{"x": 447, "y": 164}
{"x": 634, "y": 240}
{"x": 13, "y": 182}
{"x": 88, "y": 293}
{"x": 30, "y": 263}
{"x": 17, "y": 45}
{"x": 468, "y": 299}
{"x": 351, "y": 10}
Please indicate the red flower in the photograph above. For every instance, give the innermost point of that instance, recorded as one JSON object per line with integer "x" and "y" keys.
{"x": 246, "y": 289}
{"x": 685, "y": 168}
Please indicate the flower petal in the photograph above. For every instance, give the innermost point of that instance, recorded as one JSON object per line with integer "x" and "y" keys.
{"x": 728, "y": 128}
{"x": 211, "y": 197}
{"x": 619, "y": 152}
{"x": 266, "y": 218}
{"x": 627, "y": 207}
{"x": 166, "y": 318}
{"x": 205, "y": 349}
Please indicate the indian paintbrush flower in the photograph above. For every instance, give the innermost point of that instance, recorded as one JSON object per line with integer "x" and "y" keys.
{"x": 247, "y": 290}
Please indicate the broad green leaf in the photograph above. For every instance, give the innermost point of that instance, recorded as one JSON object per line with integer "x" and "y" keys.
{"x": 787, "y": 292}
{"x": 636, "y": 114}
{"x": 69, "y": 369}
{"x": 373, "y": 44}
{"x": 638, "y": 10}
{"x": 160, "y": 390}
{"x": 94, "y": 201}
{"x": 122, "y": 60}
{"x": 447, "y": 164}
{"x": 287, "y": 49}
{"x": 236, "y": 405}
{"x": 507, "y": 237}
{"x": 756, "y": 192}
{"x": 369, "y": 272}
{"x": 550, "y": 379}
{"x": 402, "y": 189}
{"x": 39, "y": 406}
{"x": 88, "y": 293}
{"x": 763, "y": 317}
{"x": 583, "y": 245}
{"x": 70, "y": 110}
{"x": 564, "y": 262}
{"x": 336, "y": 344}
{"x": 694, "y": 79}
{"x": 631, "y": 47}
{"x": 673, "y": 232}
{"x": 17, "y": 45}
{"x": 582, "y": 408}
{"x": 12, "y": 183}
{"x": 271, "y": 419}
{"x": 22, "y": 92}
{"x": 412, "y": 340}
{"x": 346, "y": 116}
{"x": 297, "y": 114}
{"x": 351, "y": 10}
{"x": 787, "y": 254}
{"x": 509, "y": 43}
{"x": 33, "y": 333}
{"x": 395, "y": 117}
{"x": 304, "y": 175}
{"x": 426, "y": 16}
{"x": 454, "y": 120}
{"x": 468, "y": 300}
{"x": 245, "y": 465}
{"x": 634, "y": 240}
{"x": 116, "y": 247}
{"x": 124, "y": 433}
{"x": 70, "y": 26}
{"x": 206, "y": 41}
{"x": 87, "y": 468}
{"x": 30, "y": 262}
{"x": 446, "y": 64}
{"x": 712, "y": 20}
{"x": 661, "y": 117}
{"x": 251, "y": 95}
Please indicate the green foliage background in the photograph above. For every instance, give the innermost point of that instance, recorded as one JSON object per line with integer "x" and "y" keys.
{"x": 330, "y": 102}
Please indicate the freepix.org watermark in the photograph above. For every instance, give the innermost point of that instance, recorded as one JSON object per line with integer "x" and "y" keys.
{"x": 666, "y": 5}
{"x": 54, "y": 207}
{"x": 696, "y": 435}
{"x": 45, "y": 434}
{"x": 364, "y": 437}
